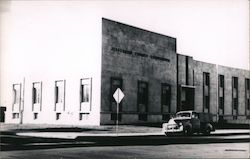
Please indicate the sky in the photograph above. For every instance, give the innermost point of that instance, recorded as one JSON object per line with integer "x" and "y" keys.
{"x": 214, "y": 31}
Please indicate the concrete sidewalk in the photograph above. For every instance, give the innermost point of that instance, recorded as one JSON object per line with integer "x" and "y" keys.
{"x": 74, "y": 135}
{"x": 72, "y": 132}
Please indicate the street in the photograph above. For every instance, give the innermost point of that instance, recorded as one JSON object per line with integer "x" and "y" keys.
{"x": 232, "y": 145}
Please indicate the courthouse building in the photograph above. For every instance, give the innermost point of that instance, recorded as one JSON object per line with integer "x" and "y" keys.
{"x": 155, "y": 79}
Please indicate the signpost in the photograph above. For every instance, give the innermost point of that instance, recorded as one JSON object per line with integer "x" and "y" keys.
{"x": 118, "y": 96}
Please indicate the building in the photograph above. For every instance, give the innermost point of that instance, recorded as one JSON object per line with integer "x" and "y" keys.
{"x": 156, "y": 80}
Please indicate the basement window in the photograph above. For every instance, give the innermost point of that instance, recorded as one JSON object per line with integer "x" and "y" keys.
{"x": 58, "y": 115}
{"x": 35, "y": 116}
{"x": 83, "y": 116}
{"x": 15, "y": 115}
{"x": 143, "y": 117}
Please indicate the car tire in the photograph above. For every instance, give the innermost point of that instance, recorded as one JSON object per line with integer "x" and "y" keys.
{"x": 207, "y": 131}
{"x": 187, "y": 131}
{"x": 168, "y": 134}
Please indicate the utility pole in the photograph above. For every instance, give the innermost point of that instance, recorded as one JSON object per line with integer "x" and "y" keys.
{"x": 22, "y": 107}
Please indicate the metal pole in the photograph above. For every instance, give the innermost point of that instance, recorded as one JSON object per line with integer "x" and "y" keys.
{"x": 22, "y": 107}
{"x": 117, "y": 114}
{"x": 217, "y": 94}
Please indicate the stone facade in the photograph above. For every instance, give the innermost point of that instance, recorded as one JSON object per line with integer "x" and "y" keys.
{"x": 240, "y": 114}
{"x": 133, "y": 55}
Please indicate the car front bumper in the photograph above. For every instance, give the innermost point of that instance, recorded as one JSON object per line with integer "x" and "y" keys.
{"x": 172, "y": 128}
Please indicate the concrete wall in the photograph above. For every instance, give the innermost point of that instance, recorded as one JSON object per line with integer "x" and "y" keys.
{"x": 136, "y": 55}
{"x": 199, "y": 69}
{"x": 228, "y": 107}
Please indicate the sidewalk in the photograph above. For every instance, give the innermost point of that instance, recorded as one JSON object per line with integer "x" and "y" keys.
{"x": 72, "y": 132}
{"x": 74, "y": 135}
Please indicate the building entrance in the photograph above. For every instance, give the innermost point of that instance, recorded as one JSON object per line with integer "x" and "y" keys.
{"x": 186, "y": 98}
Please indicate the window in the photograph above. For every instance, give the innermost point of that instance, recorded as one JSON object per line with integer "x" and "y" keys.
{"x": 35, "y": 116}
{"x": 83, "y": 116}
{"x": 195, "y": 115}
{"x": 165, "y": 97}
{"x": 115, "y": 83}
{"x": 59, "y": 92}
{"x": 247, "y": 94}
{"x": 142, "y": 96}
{"x": 235, "y": 94}
{"x": 15, "y": 115}
{"x": 165, "y": 117}
{"x": 221, "y": 103}
{"x": 114, "y": 116}
{"x": 143, "y": 117}
{"x": 85, "y": 90}
{"x": 85, "y": 94}
{"x": 221, "y": 93}
{"x": 36, "y": 93}
{"x": 206, "y": 91}
{"x": 221, "y": 81}
{"x": 58, "y": 115}
{"x": 16, "y": 93}
{"x": 235, "y": 117}
{"x": 60, "y": 95}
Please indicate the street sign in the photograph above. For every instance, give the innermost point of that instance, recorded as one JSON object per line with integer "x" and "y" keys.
{"x": 118, "y": 95}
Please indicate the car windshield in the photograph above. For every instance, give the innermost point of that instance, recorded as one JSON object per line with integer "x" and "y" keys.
{"x": 183, "y": 115}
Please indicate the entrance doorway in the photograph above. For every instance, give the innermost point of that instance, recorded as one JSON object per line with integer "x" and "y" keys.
{"x": 186, "y": 98}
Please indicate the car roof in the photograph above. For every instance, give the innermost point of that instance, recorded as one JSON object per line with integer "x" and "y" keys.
{"x": 186, "y": 111}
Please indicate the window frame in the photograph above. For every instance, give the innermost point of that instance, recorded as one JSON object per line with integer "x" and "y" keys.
{"x": 221, "y": 86}
{"x": 235, "y": 101}
{"x": 168, "y": 98}
{"x": 57, "y": 93}
{"x": 206, "y": 98}
{"x": 247, "y": 95}
{"x": 87, "y": 104}
{"x": 139, "y": 98}
{"x": 38, "y": 93}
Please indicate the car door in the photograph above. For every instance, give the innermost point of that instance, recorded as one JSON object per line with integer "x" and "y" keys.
{"x": 195, "y": 121}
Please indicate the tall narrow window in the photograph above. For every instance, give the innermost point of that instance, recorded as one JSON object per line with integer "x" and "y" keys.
{"x": 247, "y": 96}
{"x": 85, "y": 94}
{"x": 165, "y": 97}
{"x": 16, "y": 93}
{"x": 115, "y": 83}
{"x": 36, "y": 93}
{"x": 206, "y": 91}
{"x": 142, "y": 97}
{"x": 59, "y": 94}
{"x": 36, "y": 96}
{"x": 16, "y": 106}
{"x": 221, "y": 94}
{"x": 235, "y": 95}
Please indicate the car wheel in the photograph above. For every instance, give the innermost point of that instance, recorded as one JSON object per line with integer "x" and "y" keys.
{"x": 207, "y": 131}
{"x": 187, "y": 131}
{"x": 168, "y": 134}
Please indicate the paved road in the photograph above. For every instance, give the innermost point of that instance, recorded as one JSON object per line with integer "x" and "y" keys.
{"x": 151, "y": 146}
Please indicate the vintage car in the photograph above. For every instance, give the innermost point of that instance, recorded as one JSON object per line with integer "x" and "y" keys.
{"x": 189, "y": 122}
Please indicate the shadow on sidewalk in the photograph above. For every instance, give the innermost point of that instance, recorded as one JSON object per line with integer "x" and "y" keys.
{"x": 11, "y": 142}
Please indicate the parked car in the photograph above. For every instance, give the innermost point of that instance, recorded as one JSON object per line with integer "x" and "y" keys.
{"x": 189, "y": 122}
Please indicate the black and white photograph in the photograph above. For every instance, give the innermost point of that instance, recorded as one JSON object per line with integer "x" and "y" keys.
{"x": 124, "y": 79}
